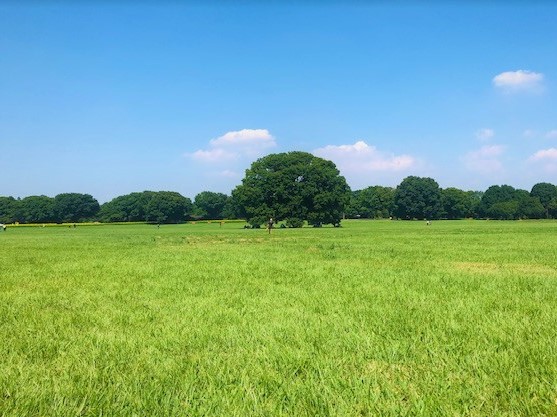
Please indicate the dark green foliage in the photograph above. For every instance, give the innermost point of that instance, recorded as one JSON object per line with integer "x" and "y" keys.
{"x": 494, "y": 195}
{"x": 126, "y": 208}
{"x": 37, "y": 209}
{"x": 459, "y": 204}
{"x": 293, "y": 186}
{"x": 504, "y": 202}
{"x": 546, "y": 193}
{"x": 210, "y": 205}
{"x": 375, "y": 202}
{"x": 168, "y": 207}
{"x": 418, "y": 198}
{"x": 74, "y": 207}
{"x": 294, "y": 222}
{"x": 9, "y": 210}
{"x": 159, "y": 207}
{"x": 552, "y": 208}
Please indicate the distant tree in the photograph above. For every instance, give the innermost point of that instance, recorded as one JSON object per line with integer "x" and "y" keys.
{"x": 9, "y": 210}
{"x": 126, "y": 208}
{"x": 505, "y": 202}
{"x": 37, "y": 209}
{"x": 374, "y": 202}
{"x": 546, "y": 193}
{"x": 458, "y": 204}
{"x": 419, "y": 198}
{"x": 475, "y": 198}
{"x": 552, "y": 208}
{"x": 503, "y": 210}
{"x": 231, "y": 209}
{"x": 354, "y": 209}
{"x": 530, "y": 208}
{"x": 160, "y": 207}
{"x": 294, "y": 187}
{"x": 494, "y": 195}
{"x": 74, "y": 207}
{"x": 210, "y": 205}
{"x": 168, "y": 207}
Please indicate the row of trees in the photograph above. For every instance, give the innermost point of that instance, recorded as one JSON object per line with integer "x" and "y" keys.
{"x": 150, "y": 206}
{"x": 293, "y": 187}
{"x": 67, "y": 207}
{"x": 422, "y": 198}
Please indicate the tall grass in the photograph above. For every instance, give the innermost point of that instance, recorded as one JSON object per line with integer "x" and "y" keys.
{"x": 376, "y": 318}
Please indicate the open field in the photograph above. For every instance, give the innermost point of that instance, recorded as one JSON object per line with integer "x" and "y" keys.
{"x": 376, "y": 318}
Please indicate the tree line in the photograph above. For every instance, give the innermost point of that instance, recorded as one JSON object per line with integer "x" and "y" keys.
{"x": 422, "y": 198}
{"x": 146, "y": 206}
{"x": 292, "y": 187}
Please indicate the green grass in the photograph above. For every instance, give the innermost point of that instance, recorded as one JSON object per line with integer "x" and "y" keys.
{"x": 378, "y": 318}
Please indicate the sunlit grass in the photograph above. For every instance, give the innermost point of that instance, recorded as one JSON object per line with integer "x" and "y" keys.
{"x": 375, "y": 318}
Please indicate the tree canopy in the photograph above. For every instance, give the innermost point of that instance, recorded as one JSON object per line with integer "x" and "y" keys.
{"x": 418, "y": 198}
{"x": 375, "y": 202}
{"x": 210, "y": 205}
{"x": 151, "y": 206}
{"x": 74, "y": 207}
{"x": 504, "y": 202}
{"x": 547, "y": 194}
{"x": 293, "y": 187}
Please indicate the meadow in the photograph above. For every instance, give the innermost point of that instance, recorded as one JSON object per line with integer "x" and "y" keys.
{"x": 377, "y": 318}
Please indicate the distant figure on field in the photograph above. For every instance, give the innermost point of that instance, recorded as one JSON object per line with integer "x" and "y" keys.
{"x": 4, "y": 227}
{"x": 270, "y": 225}
{"x": 428, "y": 223}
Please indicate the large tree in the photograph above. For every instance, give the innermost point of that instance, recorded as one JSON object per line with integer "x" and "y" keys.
{"x": 418, "y": 198}
{"x": 294, "y": 187}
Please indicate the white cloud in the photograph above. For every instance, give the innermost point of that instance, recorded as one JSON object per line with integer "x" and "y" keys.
{"x": 485, "y": 160}
{"x": 361, "y": 157}
{"x": 245, "y": 137}
{"x": 545, "y": 155}
{"x": 546, "y": 158}
{"x": 214, "y": 155}
{"x": 521, "y": 80}
{"x": 485, "y": 134}
{"x": 552, "y": 134}
{"x": 234, "y": 145}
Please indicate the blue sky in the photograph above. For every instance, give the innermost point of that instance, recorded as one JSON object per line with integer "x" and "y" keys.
{"x": 110, "y": 98}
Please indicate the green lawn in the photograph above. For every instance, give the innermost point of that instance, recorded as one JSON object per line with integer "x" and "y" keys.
{"x": 378, "y": 318}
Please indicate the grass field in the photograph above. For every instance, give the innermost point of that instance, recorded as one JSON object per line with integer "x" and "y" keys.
{"x": 377, "y": 318}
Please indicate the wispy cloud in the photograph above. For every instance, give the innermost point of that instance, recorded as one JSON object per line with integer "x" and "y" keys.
{"x": 234, "y": 145}
{"x": 552, "y": 134}
{"x": 361, "y": 157}
{"x": 485, "y": 160}
{"x": 547, "y": 158}
{"x": 485, "y": 134}
{"x": 214, "y": 155}
{"x": 260, "y": 138}
{"x": 529, "y": 133}
{"x": 521, "y": 80}
{"x": 545, "y": 155}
